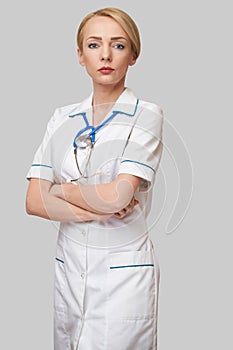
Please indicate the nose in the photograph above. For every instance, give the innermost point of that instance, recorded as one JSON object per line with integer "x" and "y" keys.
{"x": 106, "y": 54}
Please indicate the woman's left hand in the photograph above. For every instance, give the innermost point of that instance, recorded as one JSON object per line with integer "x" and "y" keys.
{"x": 121, "y": 214}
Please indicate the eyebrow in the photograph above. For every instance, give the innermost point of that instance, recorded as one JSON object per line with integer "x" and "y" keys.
{"x": 113, "y": 38}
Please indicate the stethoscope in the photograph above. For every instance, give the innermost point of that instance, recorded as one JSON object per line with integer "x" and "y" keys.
{"x": 85, "y": 141}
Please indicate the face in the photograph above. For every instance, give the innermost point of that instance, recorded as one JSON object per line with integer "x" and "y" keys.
{"x": 106, "y": 51}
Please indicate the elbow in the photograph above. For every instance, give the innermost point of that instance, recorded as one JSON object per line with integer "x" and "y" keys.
{"x": 36, "y": 199}
{"x": 33, "y": 206}
{"x": 29, "y": 207}
{"x": 28, "y": 210}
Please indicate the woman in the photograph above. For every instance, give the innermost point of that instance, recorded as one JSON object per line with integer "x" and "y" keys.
{"x": 93, "y": 173}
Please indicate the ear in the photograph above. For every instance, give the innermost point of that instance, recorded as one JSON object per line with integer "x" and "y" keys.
{"x": 132, "y": 60}
{"x": 80, "y": 57}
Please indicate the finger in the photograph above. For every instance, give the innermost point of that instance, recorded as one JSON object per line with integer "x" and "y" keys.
{"x": 122, "y": 212}
{"x": 118, "y": 215}
{"x": 131, "y": 205}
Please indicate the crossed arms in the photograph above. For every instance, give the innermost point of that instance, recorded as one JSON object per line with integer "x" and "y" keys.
{"x": 68, "y": 202}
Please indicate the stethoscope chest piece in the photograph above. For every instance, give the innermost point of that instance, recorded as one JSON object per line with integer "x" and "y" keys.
{"x": 83, "y": 142}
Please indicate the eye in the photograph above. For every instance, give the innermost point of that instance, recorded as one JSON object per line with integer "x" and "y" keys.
{"x": 119, "y": 46}
{"x": 93, "y": 46}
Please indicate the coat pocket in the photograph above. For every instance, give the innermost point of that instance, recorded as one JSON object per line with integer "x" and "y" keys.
{"x": 59, "y": 281}
{"x": 131, "y": 285}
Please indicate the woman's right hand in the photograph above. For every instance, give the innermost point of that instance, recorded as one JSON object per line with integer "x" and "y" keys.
{"x": 121, "y": 214}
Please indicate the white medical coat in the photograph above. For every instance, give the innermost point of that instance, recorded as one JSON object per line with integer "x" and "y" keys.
{"x": 106, "y": 275}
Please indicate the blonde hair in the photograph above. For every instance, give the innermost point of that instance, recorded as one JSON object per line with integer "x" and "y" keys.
{"x": 122, "y": 18}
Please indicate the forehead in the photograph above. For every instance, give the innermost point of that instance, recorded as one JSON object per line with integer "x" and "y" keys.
{"x": 103, "y": 26}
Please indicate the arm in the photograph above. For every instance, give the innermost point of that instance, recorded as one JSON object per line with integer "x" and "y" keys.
{"x": 40, "y": 202}
{"x": 104, "y": 198}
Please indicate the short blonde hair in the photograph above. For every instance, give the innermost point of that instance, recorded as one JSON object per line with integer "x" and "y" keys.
{"x": 122, "y": 18}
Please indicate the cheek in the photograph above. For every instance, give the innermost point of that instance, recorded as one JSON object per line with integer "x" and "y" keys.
{"x": 124, "y": 64}
{"x": 89, "y": 70}
{"x": 124, "y": 60}
{"x": 90, "y": 66}
{"x": 90, "y": 58}
{"x": 123, "y": 69}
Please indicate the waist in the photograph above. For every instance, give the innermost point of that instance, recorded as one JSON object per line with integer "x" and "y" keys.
{"x": 104, "y": 234}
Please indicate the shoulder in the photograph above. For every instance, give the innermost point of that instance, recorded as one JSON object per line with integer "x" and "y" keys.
{"x": 150, "y": 119}
{"x": 61, "y": 115}
{"x": 64, "y": 111}
{"x": 151, "y": 107}
{"x": 150, "y": 116}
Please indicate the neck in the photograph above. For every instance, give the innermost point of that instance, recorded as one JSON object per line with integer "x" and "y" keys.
{"x": 104, "y": 94}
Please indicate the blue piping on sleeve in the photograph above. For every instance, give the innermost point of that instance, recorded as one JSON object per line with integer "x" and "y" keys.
{"x": 134, "y": 161}
{"x": 43, "y": 165}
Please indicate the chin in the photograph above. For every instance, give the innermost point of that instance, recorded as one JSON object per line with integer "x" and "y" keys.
{"x": 108, "y": 81}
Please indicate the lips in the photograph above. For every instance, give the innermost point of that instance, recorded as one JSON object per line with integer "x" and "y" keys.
{"x": 106, "y": 70}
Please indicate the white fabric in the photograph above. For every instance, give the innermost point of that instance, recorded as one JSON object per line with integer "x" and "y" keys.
{"x": 112, "y": 154}
{"x": 98, "y": 308}
{"x": 118, "y": 306}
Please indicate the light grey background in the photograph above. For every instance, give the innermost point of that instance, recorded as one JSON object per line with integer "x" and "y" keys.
{"x": 186, "y": 67}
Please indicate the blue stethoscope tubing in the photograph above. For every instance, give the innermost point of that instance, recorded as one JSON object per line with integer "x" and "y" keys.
{"x": 90, "y": 136}
{"x": 93, "y": 129}
{"x": 88, "y": 127}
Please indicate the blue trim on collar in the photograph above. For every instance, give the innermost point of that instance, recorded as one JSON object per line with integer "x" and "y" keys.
{"x": 83, "y": 114}
{"x": 94, "y": 130}
{"x": 128, "y": 114}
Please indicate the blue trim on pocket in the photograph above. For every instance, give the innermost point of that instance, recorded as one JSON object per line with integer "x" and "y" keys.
{"x": 123, "y": 266}
{"x": 46, "y": 166}
{"x": 134, "y": 161}
{"x": 63, "y": 262}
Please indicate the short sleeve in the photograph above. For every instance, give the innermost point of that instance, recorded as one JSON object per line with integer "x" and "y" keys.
{"x": 143, "y": 151}
{"x": 41, "y": 166}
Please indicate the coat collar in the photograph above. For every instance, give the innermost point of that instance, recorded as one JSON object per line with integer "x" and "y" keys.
{"x": 126, "y": 104}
